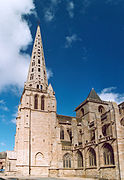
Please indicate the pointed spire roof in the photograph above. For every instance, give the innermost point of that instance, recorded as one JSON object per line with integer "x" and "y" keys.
{"x": 93, "y": 95}
{"x": 37, "y": 75}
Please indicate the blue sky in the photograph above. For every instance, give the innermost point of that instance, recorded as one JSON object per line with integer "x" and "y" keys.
{"x": 83, "y": 44}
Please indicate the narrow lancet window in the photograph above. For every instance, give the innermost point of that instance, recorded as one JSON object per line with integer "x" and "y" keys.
{"x": 36, "y": 101}
{"x": 42, "y": 102}
{"x": 61, "y": 133}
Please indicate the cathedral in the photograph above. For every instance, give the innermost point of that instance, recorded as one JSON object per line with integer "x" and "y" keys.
{"x": 48, "y": 144}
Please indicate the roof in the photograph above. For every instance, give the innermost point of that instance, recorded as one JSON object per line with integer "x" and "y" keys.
{"x": 92, "y": 97}
{"x": 121, "y": 105}
{"x": 3, "y": 155}
{"x": 64, "y": 119}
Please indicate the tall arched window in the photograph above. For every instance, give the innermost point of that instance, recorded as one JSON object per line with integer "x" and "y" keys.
{"x": 92, "y": 157}
{"x": 79, "y": 159}
{"x": 108, "y": 155}
{"x": 82, "y": 110}
{"x": 36, "y": 101}
{"x": 38, "y": 158}
{"x": 101, "y": 109}
{"x": 61, "y": 133}
{"x": 42, "y": 102}
{"x": 106, "y": 130}
{"x": 67, "y": 161}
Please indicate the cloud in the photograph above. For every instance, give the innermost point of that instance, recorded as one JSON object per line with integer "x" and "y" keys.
{"x": 14, "y": 36}
{"x": 13, "y": 121}
{"x": 2, "y": 102}
{"x": 108, "y": 94}
{"x": 70, "y": 9}
{"x": 70, "y": 40}
{"x": 14, "y": 115}
{"x": 50, "y": 11}
{"x": 3, "y": 106}
{"x": 2, "y": 144}
{"x": 2, "y": 118}
{"x": 49, "y": 15}
{"x": 85, "y": 5}
{"x": 49, "y": 73}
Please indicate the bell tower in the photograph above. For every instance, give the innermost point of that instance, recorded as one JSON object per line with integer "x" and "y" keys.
{"x": 36, "y": 121}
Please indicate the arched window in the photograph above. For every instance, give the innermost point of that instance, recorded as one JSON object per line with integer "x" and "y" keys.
{"x": 36, "y": 101}
{"x": 122, "y": 121}
{"x": 92, "y": 135}
{"x": 106, "y": 130}
{"x": 42, "y": 102}
{"x": 67, "y": 161}
{"x": 108, "y": 155}
{"x": 92, "y": 157}
{"x": 38, "y": 158}
{"x": 79, "y": 159}
{"x": 61, "y": 133}
{"x": 101, "y": 109}
{"x": 82, "y": 110}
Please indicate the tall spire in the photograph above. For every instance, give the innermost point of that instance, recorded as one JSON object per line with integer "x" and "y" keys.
{"x": 37, "y": 76}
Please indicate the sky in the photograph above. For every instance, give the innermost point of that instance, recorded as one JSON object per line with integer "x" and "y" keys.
{"x": 83, "y": 44}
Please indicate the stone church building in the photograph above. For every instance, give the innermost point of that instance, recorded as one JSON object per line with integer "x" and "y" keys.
{"x": 47, "y": 144}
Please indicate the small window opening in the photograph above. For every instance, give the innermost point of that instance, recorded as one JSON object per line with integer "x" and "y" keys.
{"x": 61, "y": 133}
{"x": 92, "y": 135}
{"x": 38, "y": 69}
{"x": 32, "y": 69}
{"x": 82, "y": 110}
{"x": 36, "y": 102}
{"x": 38, "y": 61}
{"x": 32, "y": 76}
{"x": 101, "y": 109}
{"x": 41, "y": 87}
{"x": 37, "y": 86}
{"x": 33, "y": 63}
{"x": 42, "y": 102}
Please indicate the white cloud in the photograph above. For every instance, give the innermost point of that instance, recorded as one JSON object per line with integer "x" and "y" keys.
{"x": 13, "y": 121}
{"x": 2, "y": 144}
{"x": 50, "y": 11}
{"x": 70, "y": 9}
{"x": 108, "y": 94}
{"x": 3, "y": 106}
{"x": 70, "y": 40}
{"x": 14, "y": 36}
{"x": 2, "y": 102}
{"x": 2, "y": 118}
{"x": 49, "y": 15}
{"x": 49, "y": 73}
{"x": 14, "y": 115}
